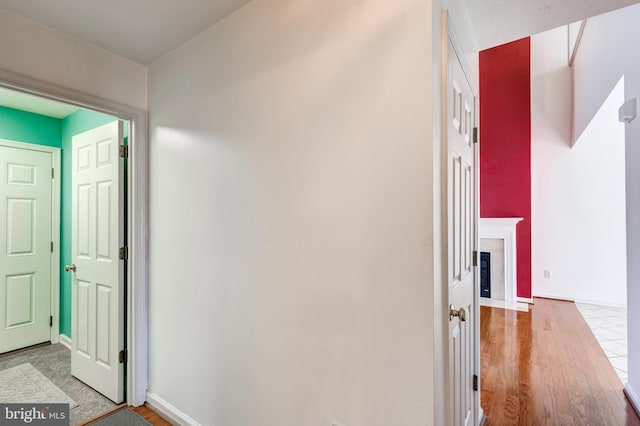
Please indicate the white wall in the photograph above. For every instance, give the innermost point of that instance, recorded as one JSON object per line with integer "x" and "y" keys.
{"x": 577, "y": 194}
{"x": 292, "y": 235}
{"x": 41, "y": 53}
{"x": 604, "y": 56}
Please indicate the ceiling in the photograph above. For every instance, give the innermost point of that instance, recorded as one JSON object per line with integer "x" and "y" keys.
{"x": 36, "y": 104}
{"x": 145, "y": 30}
{"x": 140, "y": 30}
{"x": 500, "y": 21}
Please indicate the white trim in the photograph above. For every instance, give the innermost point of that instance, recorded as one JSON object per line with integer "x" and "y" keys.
{"x": 554, "y": 296}
{"x": 166, "y": 409}
{"x": 440, "y": 283}
{"x": 65, "y": 341}
{"x": 572, "y": 59}
{"x": 449, "y": 35}
{"x": 56, "y": 237}
{"x": 481, "y": 418}
{"x": 528, "y": 300}
{"x": 633, "y": 398}
{"x": 600, "y": 303}
{"x": 54, "y": 295}
{"x": 137, "y": 273}
{"x": 586, "y": 301}
{"x": 502, "y": 304}
{"x": 452, "y": 35}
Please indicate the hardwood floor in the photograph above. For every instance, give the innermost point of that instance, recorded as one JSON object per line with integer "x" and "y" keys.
{"x": 150, "y": 416}
{"x": 545, "y": 367}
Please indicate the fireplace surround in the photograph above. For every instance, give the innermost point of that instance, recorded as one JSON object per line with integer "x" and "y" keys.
{"x": 504, "y": 228}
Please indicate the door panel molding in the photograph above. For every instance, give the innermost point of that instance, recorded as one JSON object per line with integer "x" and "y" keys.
{"x": 97, "y": 296}
{"x": 55, "y": 227}
{"x": 459, "y": 211}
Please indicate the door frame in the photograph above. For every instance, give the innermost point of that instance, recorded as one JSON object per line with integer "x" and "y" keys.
{"x": 448, "y": 34}
{"x": 54, "y": 300}
{"x": 137, "y": 217}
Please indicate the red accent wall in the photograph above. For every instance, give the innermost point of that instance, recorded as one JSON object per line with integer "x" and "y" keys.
{"x": 505, "y": 144}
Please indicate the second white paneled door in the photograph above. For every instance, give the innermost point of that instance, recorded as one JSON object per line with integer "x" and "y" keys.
{"x": 25, "y": 247}
{"x": 98, "y": 273}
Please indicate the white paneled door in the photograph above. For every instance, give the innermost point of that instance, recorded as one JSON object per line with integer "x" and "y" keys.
{"x": 25, "y": 247}
{"x": 462, "y": 239}
{"x": 97, "y": 296}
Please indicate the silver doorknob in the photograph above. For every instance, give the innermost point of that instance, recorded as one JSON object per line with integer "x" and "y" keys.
{"x": 71, "y": 267}
{"x": 460, "y": 313}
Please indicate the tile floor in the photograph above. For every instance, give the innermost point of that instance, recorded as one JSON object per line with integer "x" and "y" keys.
{"x": 609, "y": 325}
{"x": 54, "y": 361}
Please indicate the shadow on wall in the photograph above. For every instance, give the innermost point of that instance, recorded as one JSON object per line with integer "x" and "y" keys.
{"x": 609, "y": 87}
{"x": 579, "y": 201}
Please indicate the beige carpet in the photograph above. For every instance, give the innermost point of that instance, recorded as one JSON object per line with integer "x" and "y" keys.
{"x": 24, "y": 384}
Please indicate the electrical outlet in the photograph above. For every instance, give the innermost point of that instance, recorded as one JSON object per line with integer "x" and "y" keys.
{"x": 547, "y": 273}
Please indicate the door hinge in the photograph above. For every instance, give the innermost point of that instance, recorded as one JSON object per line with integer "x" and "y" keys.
{"x": 51, "y": 246}
{"x": 475, "y": 382}
{"x": 475, "y": 135}
{"x": 475, "y": 258}
{"x": 124, "y": 151}
{"x": 53, "y": 173}
{"x": 50, "y": 320}
{"x": 122, "y": 356}
{"x": 124, "y": 253}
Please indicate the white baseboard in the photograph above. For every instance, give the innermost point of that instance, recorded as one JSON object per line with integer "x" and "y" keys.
{"x": 502, "y": 304}
{"x": 65, "y": 341}
{"x": 587, "y": 301}
{"x": 553, "y": 296}
{"x": 528, "y": 300}
{"x": 601, "y": 303}
{"x": 166, "y": 409}
{"x": 632, "y": 396}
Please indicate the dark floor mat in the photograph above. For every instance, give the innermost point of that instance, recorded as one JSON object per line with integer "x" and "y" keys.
{"x": 122, "y": 417}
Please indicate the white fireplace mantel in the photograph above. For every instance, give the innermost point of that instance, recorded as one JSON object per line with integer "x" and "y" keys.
{"x": 504, "y": 228}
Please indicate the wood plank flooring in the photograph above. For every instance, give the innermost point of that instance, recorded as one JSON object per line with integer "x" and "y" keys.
{"x": 545, "y": 367}
{"x": 149, "y": 415}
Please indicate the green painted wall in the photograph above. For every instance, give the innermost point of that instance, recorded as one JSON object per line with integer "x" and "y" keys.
{"x": 78, "y": 122}
{"x": 21, "y": 126}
